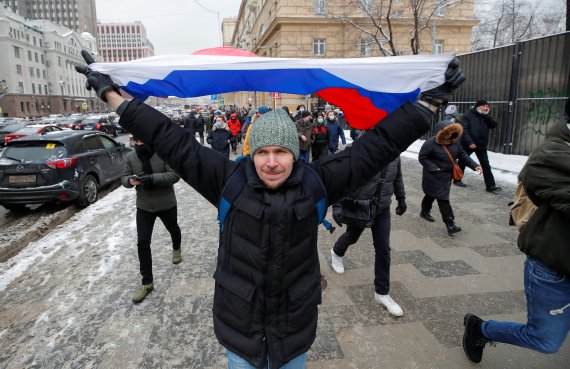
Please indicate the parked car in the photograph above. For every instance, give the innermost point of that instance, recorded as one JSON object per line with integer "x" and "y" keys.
{"x": 99, "y": 123}
{"x": 33, "y": 129}
{"x": 65, "y": 166}
{"x": 8, "y": 129}
{"x": 76, "y": 117}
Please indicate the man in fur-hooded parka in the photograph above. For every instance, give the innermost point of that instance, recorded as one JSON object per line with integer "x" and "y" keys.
{"x": 438, "y": 168}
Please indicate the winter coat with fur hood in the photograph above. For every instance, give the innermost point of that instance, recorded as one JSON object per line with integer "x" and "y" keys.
{"x": 436, "y": 179}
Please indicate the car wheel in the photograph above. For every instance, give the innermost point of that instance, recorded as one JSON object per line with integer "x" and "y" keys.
{"x": 89, "y": 192}
{"x": 15, "y": 207}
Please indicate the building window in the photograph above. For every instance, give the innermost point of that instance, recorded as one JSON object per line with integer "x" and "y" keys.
{"x": 440, "y": 7}
{"x": 37, "y": 72}
{"x": 319, "y": 46}
{"x": 22, "y": 106}
{"x": 319, "y": 6}
{"x": 44, "y": 74}
{"x": 397, "y": 13}
{"x": 21, "y": 88}
{"x": 438, "y": 47}
{"x": 42, "y": 59}
{"x": 18, "y": 69}
{"x": 31, "y": 72}
{"x": 365, "y": 47}
{"x": 59, "y": 61}
{"x": 29, "y": 55}
{"x": 33, "y": 88}
{"x": 366, "y": 5}
{"x": 17, "y": 52}
{"x": 36, "y": 57}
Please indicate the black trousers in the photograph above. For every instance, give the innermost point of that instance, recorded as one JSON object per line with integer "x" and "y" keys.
{"x": 381, "y": 239}
{"x": 319, "y": 151}
{"x": 444, "y": 207}
{"x": 484, "y": 162}
{"x": 145, "y": 225}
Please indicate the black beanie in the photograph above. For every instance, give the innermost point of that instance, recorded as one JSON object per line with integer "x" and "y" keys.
{"x": 305, "y": 114}
{"x": 480, "y": 102}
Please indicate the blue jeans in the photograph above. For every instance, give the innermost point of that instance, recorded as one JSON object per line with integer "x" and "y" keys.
{"x": 304, "y": 155}
{"x": 548, "y": 312}
{"x": 237, "y": 362}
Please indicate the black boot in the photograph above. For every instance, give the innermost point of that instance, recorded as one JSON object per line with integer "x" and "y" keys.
{"x": 452, "y": 227}
{"x": 473, "y": 339}
{"x": 427, "y": 216}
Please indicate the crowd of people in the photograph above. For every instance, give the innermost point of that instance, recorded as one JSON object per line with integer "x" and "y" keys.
{"x": 270, "y": 203}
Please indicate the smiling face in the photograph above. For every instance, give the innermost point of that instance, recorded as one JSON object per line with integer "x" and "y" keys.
{"x": 273, "y": 165}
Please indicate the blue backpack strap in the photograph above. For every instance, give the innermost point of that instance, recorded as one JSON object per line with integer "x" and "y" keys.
{"x": 230, "y": 192}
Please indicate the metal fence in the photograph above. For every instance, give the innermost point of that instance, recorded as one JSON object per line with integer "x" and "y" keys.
{"x": 526, "y": 85}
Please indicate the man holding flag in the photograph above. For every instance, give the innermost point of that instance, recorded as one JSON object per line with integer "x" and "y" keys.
{"x": 267, "y": 286}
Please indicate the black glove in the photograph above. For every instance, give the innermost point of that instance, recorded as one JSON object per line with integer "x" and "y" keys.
{"x": 146, "y": 181}
{"x": 440, "y": 95}
{"x": 402, "y": 207}
{"x": 99, "y": 82}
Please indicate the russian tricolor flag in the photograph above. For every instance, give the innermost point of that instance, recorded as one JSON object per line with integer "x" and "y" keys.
{"x": 365, "y": 89}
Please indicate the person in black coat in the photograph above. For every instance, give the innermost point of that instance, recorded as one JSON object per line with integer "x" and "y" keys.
{"x": 379, "y": 190}
{"x": 267, "y": 279}
{"x": 319, "y": 137}
{"x": 220, "y": 137}
{"x": 199, "y": 127}
{"x": 190, "y": 121}
{"x": 476, "y": 124}
{"x": 438, "y": 168}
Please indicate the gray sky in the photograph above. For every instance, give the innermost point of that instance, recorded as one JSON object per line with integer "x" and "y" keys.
{"x": 173, "y": 26}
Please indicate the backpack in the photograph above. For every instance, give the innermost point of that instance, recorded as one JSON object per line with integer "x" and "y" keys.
{"x": 311, "y": 182}
{"x": 521, "y": 207}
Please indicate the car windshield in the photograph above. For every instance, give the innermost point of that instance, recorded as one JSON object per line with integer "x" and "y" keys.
{"x": 34, "y": 151}
{"x": 91, "y": 120}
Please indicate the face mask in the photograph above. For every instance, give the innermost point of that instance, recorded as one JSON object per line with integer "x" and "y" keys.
{"x": 218, "y": 124}
{"x": 320, "y": 120}
{"x": 331, "y": 117}
{"x": 233, "y": 118}
{"x": 482, "y": 112}
{"x": 301, "y": 109}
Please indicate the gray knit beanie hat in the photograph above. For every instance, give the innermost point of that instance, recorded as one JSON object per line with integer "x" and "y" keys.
{"x": 274, "y": 128}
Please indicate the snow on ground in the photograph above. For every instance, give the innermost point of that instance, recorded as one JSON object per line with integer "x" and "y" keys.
{"x": 44, "y": 248}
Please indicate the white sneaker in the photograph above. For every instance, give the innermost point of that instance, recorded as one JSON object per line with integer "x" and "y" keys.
{"x": 337, "y": 263}
{"x": 389, "y": 303}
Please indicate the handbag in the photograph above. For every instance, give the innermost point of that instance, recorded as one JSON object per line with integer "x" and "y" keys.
{"x": 358, "y": 213}
{"x": 457, "y": 173}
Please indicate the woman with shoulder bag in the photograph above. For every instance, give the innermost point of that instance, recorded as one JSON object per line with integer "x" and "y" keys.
{"x": 369, "y": 207}
{"x": 439, "y": 156}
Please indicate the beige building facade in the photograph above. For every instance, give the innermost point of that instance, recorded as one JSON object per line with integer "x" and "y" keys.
{"x": 121, "y": 42}
{"x": 343, "y": 29}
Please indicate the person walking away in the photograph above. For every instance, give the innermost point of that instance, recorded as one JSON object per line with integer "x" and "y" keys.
{"x": 304, "y": 130}
{"x": 199, "y": 126}
{"x": 267, "y": 279}
{"x": 235, "y": 127}
{"x": 476, "y": 124}
{"x": 319, "y": 136}
{"x": 438, "y": 168}
{"x": 153, "y": 180}
{"x": 190, "y": 121}
{"x": 380, "y": 190}
{"x": 335, "y": 132}
{"x": 544, "y": 239}
{"x": 221, "y": 137}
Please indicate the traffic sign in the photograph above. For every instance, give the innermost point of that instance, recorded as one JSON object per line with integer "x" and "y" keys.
{"x": 84, "y": 105}
{"x": 275, "y": 95}
{"x": 222, "y": 101}
{"x": 214, "y": 97}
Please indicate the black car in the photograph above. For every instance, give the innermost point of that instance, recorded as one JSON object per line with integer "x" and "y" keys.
{"x": 59, "y": 167}
{"x": 99, "y": 123}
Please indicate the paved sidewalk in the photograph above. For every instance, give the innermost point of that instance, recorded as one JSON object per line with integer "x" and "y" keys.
{"x": 72, "y": 307}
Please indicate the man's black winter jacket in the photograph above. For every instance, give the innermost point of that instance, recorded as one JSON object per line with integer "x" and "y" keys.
{"x": 267, "y": 278}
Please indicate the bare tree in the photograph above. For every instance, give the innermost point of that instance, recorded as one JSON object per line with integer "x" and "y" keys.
{"x": 505, "y": 22}
{"x": 375, "y": 20}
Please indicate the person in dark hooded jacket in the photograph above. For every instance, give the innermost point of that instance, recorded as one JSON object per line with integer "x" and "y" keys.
{"x": 545, "y": 240}
{"x": 380, "y": 189}
{"x": 319, "y": 136}
{"x": 220, "y": 137}
{"x": 335, "y": 131}
{"x": 438, "y": 168}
